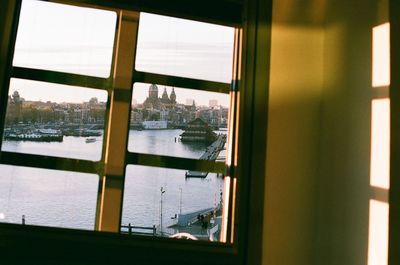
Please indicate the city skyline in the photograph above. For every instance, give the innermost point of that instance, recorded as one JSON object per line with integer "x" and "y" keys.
{"x": 166, "y": 45}
{"x": 41, "y": 91}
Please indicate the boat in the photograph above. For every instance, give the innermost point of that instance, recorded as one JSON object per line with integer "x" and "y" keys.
{"x": 82, "y": 132}
{"x": 34, "y": 137}
{"x": 195, "y": 174}
{"x": 154, "y": 125}
{"x": 90, "y": 140}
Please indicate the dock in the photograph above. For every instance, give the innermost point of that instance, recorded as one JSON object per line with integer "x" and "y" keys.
{"x": 211, "y": 153}
{"x": 204, "y": 224}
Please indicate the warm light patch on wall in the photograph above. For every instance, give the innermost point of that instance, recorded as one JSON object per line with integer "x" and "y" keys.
{"x": 380, "y": 143}
{"x": 381, "y": 55}
{"x": 378, "y": 233}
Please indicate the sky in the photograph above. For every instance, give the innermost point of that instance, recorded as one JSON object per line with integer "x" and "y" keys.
{"x": 80, "y": 40}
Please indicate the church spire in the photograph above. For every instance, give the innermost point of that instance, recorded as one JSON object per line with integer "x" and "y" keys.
{"x": 164, "y": 97}
{"x": 173, "y": 96}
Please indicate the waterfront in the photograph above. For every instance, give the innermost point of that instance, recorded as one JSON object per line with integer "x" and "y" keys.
{"x": 67, "y": 199}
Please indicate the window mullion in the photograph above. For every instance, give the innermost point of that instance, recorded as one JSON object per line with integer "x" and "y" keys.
{"x": 61, "y": 78}
{"x": 111, "y": 185}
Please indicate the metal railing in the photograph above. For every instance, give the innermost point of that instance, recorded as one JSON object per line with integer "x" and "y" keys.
{"x": 139, "y": 230}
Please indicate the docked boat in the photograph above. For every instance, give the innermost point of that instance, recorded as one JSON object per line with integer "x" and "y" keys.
{"x": 195, "y": 174}
{"x": 90, "y": 140}
{"x": 34, "y": 137}
{"x": 82, "y": 132}
{"x": 154, "y": 125}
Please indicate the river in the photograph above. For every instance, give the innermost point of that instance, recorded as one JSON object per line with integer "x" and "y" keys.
{"x": 68, "y": 199}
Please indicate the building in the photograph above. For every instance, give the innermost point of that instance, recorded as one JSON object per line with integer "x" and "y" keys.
{"x": 198, "y": 130}
{"x": 305, "y": 147}
{"x": 155, "y": 102}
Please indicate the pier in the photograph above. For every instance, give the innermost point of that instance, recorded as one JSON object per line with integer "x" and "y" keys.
{"x": 211, "y": 153}
{"x": 203, "y": 224}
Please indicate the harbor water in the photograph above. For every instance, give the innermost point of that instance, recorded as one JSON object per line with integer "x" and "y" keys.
{"x": 68, "y": 199}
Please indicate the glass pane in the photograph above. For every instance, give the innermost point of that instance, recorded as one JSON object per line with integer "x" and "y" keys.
{"x": 155, "y": 196}
{"x": 178, "y": 122}
{"x": 56, "y": 120}
{"x": 65, "y": 38}
{"x": 47, "y": 197}
{"x": 184, "y": 48}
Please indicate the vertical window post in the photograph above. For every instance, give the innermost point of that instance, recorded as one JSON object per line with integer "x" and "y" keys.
{"x": 111, "y": 186}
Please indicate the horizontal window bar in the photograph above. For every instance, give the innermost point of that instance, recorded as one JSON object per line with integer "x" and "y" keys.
{"x": 49, "y": 162}
{"x": 223, "y": 12}
{"x": 142, "y": 247}
{"x": 175, "y": 162}
{"x": 380, "y": 92}
{"x": 61, "y": 78}
{"x": 175, "y": 81}
{"x": 379, "y": 194}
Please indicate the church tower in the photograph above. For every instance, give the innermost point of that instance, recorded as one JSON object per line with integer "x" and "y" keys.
{"x": 173, "y": 97}
{"x": 164, "y": 97}
{"x": 153, "y": 91}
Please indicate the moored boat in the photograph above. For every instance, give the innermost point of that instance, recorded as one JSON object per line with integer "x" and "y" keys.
{"x": 90, "y": 140}
{"x": 33, "y": 137}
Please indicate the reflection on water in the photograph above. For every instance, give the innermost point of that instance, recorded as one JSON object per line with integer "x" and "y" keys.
{"x": 70, "y": 147}
{"x": 67, "y": 199}
{"x": 47, "y": 197}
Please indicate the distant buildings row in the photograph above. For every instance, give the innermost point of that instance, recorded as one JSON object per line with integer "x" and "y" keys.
{"x": 20, "y": 110}
{"x": 167, "y": 109}
{"x": 164, "y": 109}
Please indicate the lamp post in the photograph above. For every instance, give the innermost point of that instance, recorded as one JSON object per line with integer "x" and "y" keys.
{"x": 161, "y": 211}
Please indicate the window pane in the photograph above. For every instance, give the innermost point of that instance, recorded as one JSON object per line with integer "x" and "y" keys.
{"x": 162, "y": 121}
{"x": 47, "y": 197}
{"x": 56, "y": 120}
{"x": 184, "y": 48}
{"x": 182, "y": 199}
{"x": 65, "y": 38}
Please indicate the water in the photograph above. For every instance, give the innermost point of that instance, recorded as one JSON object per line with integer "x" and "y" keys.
{"x": 68, "y": 199}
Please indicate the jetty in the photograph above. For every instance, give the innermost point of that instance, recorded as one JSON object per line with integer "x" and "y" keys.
{"x": 211, "y": 153}
{"x": 203, "y": 224}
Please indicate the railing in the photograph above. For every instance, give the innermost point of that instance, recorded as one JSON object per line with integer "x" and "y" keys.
{"x": 138, "y": 230}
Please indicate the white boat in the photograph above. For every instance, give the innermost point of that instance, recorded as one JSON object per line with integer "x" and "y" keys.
{"x": 90, "y": 140}
{"x": 154, "y": 125}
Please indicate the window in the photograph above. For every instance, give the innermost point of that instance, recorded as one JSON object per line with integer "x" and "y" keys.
{"x": 149, "y": 118}
{"x": 121, "y": 162}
